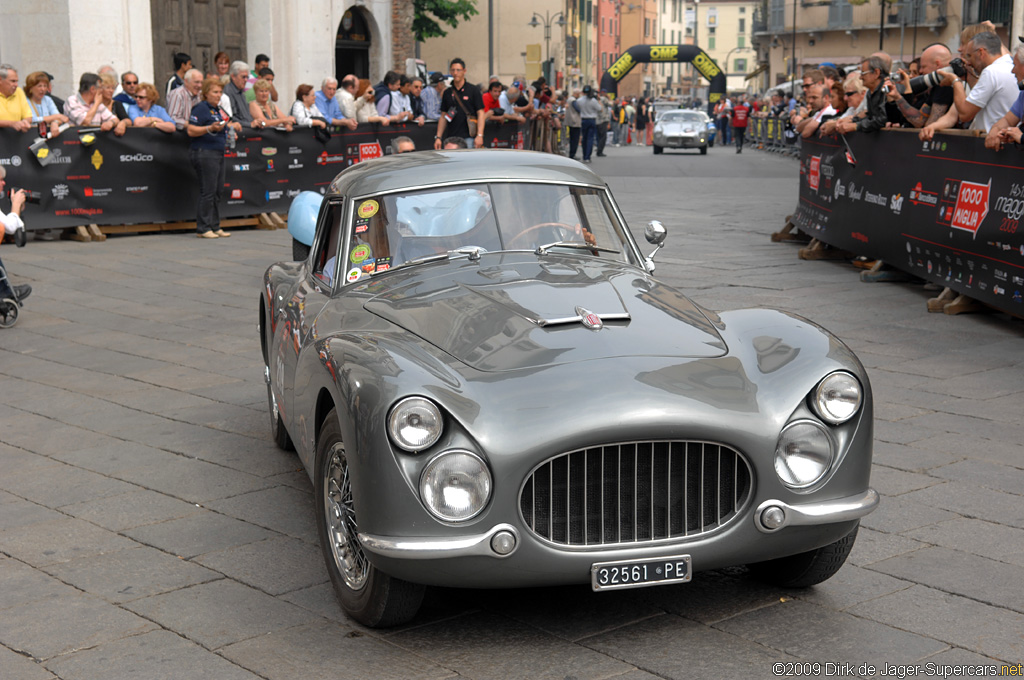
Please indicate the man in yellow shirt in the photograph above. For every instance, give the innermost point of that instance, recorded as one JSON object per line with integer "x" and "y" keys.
{"x": 14, "y": 109}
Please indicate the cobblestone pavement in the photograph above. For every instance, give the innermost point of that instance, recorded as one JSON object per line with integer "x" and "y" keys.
{"x": 150, "y": 529}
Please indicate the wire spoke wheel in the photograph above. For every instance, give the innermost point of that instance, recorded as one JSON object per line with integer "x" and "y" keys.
{"x": 343, "y": 530}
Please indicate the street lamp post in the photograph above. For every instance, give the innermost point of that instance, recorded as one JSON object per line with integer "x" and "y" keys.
{"x": 546, "y": 21}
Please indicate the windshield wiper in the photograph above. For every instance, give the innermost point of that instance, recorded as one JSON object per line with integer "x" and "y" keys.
{"x": 579, "y": 245}
{"x": 470, "y": 252}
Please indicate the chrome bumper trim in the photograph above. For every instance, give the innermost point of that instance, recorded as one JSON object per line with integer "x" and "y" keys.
{"x": 828, "y": 512}
{"x": 436, "y": 548}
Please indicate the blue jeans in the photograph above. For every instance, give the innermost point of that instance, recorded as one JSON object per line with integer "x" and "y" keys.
{"x": 589, "y": 129}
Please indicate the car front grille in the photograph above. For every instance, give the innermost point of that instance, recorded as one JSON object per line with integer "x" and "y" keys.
{"x": 635, "y": 492}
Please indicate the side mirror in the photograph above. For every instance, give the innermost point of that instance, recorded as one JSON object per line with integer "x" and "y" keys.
{"x": 655, "y": 233}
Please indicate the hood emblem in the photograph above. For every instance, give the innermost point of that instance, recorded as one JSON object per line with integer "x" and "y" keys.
{"x": 589, "y": 319}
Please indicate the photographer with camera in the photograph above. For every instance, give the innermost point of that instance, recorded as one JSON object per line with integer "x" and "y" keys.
{"x": 989, "y": 98}
{"x": 933, "y": 98}
{"x": 1007, "y": 129}
{"x": 13, "y": 225}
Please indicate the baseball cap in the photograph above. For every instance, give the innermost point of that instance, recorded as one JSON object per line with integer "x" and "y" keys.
{"x": 436, "y": 77}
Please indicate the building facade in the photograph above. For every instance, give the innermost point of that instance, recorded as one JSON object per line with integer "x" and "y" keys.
{"x": 306, "y": 41}
{"x": 515, "y": 39}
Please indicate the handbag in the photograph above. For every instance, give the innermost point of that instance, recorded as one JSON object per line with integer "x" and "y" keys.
{"x": 321, "y": 134}
{"x": 470, "y": 121}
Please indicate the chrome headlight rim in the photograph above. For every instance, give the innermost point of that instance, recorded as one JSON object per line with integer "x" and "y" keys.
{"x": 825, "y": 467}
{"x": 432, "y": 465}
{"x": 408, "y": 412}
{"x": 825, "y": 404}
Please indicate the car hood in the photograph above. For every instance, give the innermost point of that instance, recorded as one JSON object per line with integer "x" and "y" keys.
{"x": 674, "y": 127}
{"x": 508, "y": 312}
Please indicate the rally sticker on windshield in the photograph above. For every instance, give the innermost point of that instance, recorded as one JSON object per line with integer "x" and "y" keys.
{"x": 360, "y": 253}
{"x": 353, "y": 275}
{"x": 368, "y": 209}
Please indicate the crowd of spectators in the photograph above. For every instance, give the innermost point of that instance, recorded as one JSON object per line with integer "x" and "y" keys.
{"x": 975, "y": 89}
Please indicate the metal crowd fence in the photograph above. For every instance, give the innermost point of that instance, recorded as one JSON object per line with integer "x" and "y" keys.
{"x": 769, "y": 134}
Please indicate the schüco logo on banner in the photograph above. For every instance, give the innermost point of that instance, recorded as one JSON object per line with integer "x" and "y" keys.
{"x": 136, "y": 158}
{"x": 971, "y": 206}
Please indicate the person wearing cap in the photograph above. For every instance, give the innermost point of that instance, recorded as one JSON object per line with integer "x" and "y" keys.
{"x": 431, "y": 96}
{"x": 589, "y": 108}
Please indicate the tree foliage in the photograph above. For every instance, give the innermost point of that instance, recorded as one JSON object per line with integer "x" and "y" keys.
{"x": 428, "y": 14}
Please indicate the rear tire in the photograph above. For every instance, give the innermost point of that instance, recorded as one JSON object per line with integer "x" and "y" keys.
{"x": 368, "y": 595}
{"x": 808, "y": 568}
{"x": 300, "y": 251}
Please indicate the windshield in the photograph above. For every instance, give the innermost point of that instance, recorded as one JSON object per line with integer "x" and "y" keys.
{"x": 681, "y": 117}
{"x": 393, "y": 229}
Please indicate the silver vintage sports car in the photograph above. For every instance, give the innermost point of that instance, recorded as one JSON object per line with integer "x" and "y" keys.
{"x": 680, "y": 129}
{"x": 489, "y": 389}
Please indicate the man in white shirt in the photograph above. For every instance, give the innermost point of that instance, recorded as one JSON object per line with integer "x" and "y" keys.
{"x": 12, "y": 222}
{"x": 346, "y": 95}
{"x": 990, "y": 98}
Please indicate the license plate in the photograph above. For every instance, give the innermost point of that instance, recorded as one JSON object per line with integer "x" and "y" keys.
{"x": 652, "y": 571}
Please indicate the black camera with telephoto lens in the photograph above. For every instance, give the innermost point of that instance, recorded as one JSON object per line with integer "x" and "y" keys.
{"x": 30, "y": 196}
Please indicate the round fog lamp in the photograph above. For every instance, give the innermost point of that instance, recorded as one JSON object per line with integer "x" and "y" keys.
{"x": 455, "y": 486}
{"x": 415, "y": 423}
{"x": 773, "y": 517}
{"x": 803, "y": 454}
{"x": 837, "y": 398}
{"x": 503, "y": 542}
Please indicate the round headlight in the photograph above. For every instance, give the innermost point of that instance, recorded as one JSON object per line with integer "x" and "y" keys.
{"x": 837, "y": 398}
{"x": 803, "y": 454}
{"x": 415, "y": 423}
{"x": 455, "y": 486}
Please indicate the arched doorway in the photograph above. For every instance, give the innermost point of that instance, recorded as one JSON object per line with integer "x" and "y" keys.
{"x": 352, "y": 45}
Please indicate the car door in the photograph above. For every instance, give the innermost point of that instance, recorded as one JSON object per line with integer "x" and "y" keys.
{"x": 308, "y": 298}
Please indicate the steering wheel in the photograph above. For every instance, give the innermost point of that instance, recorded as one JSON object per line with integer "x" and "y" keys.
{"x": 575, "y": 231}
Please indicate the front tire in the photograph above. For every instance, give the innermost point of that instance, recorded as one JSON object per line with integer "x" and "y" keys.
{"x": 300, "y": 251}
{"x": 704, "y": 150}
{"x": 657, "y": 149}
{"x": 368, "y": 595}
{"x": 808, "y": 568}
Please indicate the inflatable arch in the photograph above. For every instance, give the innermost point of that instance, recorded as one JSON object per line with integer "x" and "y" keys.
{"x": 640, "y": 54}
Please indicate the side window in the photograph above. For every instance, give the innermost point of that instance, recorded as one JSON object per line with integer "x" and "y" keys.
{"x": 329, "y": 240}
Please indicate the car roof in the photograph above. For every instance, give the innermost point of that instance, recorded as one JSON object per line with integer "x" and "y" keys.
{"x": 429, "y": 168}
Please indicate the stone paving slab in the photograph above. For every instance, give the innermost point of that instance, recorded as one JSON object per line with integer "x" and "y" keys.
{"x": 147, "y": 521}
{"x": 159, "y": 655}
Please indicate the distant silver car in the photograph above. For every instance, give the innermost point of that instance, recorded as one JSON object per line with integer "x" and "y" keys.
{"x": 489, "y": 389}
{"x": 681, "y": 130}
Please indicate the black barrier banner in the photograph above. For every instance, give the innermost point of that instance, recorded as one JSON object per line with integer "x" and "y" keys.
{"x": 145, "y": 176}
{"x": 948, "y": 210}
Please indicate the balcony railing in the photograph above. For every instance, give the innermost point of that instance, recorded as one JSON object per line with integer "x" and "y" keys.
{"x": 996, "y": 11}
